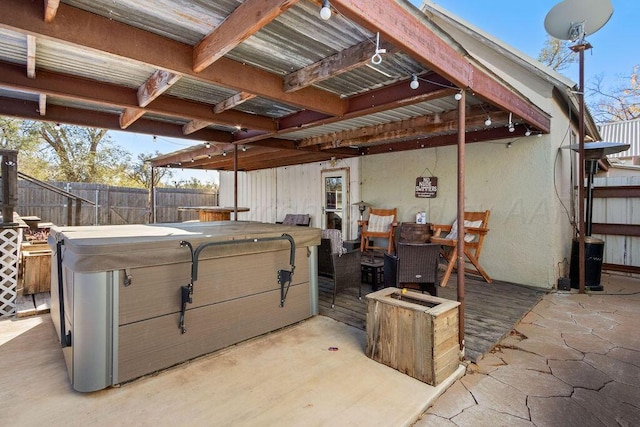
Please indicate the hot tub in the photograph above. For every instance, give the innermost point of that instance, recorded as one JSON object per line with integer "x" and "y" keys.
{"x": 130, "y": 300}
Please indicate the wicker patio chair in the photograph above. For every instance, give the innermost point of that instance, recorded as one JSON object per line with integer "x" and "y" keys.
{"x": 302, "y": 220}
{"x": 336, "y": 262}
{"x": 415, "y": 265}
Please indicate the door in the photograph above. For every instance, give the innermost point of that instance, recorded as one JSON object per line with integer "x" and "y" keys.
{"x": 335, "y": 200}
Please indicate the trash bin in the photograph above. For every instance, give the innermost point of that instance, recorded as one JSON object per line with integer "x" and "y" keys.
{"x": 593, "y": 253}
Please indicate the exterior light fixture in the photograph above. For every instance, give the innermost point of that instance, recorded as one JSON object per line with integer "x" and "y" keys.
{"x": 511, "y": 126}
{"x": 224, "y": 153}
{"x": 192, "y": 160}
{"x": 488, "y": 121}
{"x": 244, "y": 148}
{"x": 207, "y": 145}
{"x": 57, "y": 126}
{"x": 414, "y": 82}
{"x": 325, "y": 12}
{"x": 458, "y": 96}
{"x": 208, "y": 156}
{"x": 527, "y": 132}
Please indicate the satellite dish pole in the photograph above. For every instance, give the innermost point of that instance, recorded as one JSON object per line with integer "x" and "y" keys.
{"x": 574, "y": 20}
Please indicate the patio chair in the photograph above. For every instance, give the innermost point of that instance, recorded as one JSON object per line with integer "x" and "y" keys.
{"x": 336, "y": 262}
{"x": 415, "y": 265}
{"x": 475, "y": 230}
{"x": 381, "y": 224}
{"x": 302, "y": 220}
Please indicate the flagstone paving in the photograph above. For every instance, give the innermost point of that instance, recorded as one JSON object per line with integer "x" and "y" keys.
{"x": 573, "y": 360}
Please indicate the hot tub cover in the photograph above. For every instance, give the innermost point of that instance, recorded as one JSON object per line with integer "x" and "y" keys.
{"x": 113, "y": 247}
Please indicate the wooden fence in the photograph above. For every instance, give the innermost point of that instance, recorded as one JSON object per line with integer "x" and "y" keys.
{"x": 113, "y": 205}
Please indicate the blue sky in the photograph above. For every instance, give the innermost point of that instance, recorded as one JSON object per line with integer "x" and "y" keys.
{"x": 519, "y": 23}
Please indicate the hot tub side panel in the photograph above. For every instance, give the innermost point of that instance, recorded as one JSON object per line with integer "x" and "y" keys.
{"x": 234, "y": 299}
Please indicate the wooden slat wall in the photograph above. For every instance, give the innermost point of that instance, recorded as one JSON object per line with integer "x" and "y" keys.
{"x": 621, "y": 250}
{"x": 116, "y": 205}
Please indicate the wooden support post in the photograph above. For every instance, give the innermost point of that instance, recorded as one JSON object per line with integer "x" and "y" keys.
{"x": 69, "y": 211}
{"x": 78, "y": 218}
{"x": 9, "y": 185}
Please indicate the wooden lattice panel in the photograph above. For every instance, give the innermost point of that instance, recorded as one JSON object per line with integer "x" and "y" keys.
{"x": 9, "y": 245}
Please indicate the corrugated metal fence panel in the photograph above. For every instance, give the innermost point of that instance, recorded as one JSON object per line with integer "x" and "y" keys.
{"x": 115, "y": 205}
{"x": 627, "y": 132}
{"x": 623, "y": 250}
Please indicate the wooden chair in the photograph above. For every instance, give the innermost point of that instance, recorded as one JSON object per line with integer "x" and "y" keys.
{"x": 475, "y": 229}
{"x": 381, "y": 224}
{"x": 336, "y": 262}
{"x": 415, "y": 265}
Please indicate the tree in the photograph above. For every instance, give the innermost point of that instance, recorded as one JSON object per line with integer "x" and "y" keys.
{"x": 621, "y": 102}
{"x": 556, "y": 54}
{"x": 14, "y": 136}
{"x": 79, "y": 154}
{"x": 140, "y": 172}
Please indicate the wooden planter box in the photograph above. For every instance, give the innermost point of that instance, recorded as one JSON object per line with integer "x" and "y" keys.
{"x": 36, "y": 271}
{"x": 415, "y": 333}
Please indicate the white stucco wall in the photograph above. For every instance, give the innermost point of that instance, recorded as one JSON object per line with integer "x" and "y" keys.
{"x": 530, "y": 232}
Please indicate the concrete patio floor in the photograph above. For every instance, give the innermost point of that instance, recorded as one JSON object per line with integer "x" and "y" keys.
{"x": 286, "y": 378}
{"x": 573, "y": 360}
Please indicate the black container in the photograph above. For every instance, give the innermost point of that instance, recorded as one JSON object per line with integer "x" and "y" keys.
{"x": 593, "y": 253}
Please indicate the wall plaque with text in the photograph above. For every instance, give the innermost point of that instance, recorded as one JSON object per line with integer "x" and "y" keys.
{"x": 426, "y": 187}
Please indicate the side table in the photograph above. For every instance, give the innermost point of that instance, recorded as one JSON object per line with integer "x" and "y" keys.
{"x": 372, "y": 272}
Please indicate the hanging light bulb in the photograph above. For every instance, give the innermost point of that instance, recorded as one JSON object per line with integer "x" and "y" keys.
{"x": 57, "y": 126}
{"x": 192, "y": 160}
{"x": 458, "y": 96}
{"x": 527, "y": 132}
{"x": 414, "y": 82}
{"x": 208, "y": 156}
{"x": 207, "y": 145}
{"x": 325, "y": 12}
{"x": 511, "y": 127}
{"x": 244, "y": 148}
{"x": 224, "y": 153}
{"x": 488, "y": 121}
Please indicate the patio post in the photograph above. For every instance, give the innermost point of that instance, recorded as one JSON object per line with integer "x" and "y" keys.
{"x": 235, "y": 182}
{"x": 461, "y": 171}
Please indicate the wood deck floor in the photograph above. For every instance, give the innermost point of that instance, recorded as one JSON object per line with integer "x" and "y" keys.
{"x": 492, "y": 309}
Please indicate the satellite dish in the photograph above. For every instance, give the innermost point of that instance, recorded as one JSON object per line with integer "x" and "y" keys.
{"x": 575, "y": 19}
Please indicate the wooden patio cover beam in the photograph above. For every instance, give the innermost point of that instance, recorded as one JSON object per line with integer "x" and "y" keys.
{"x": 29, "y": 110}
{"x": 64, "y": 86}
{"x": 246, "y": 20}
{"x": 417, "y": 38}
{"x": 81, "y": 28}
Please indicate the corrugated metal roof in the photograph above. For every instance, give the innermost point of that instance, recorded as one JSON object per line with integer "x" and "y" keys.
{"x": 13, "y": 47}
{"x": 295, "y": 39}
{"x": 72, "y": 60}
{"x": 627, "y": 132}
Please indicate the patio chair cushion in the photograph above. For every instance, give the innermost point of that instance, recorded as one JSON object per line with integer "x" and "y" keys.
{"x": 453, "y": 234}
{"x": 335, "y": 236}
{"x": 379, "y": 224}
